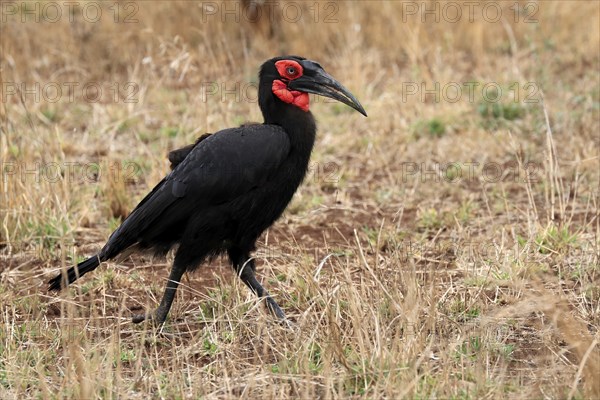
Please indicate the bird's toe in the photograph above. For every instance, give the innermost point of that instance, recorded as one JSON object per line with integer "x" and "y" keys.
{"x": 274, "y": 308}
{"x": 157, "y": 317}
{"x": 137, "y": 318}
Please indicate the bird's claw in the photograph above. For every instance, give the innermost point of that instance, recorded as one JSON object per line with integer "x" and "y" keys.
{"x": 274, "y": 308}
{"x": 157, "y": 317}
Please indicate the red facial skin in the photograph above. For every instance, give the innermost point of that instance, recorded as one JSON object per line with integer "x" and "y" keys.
{"x": 290, "y": 70}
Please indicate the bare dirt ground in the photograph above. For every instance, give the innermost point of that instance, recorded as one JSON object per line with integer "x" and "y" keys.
{"x": 447, "y": 246}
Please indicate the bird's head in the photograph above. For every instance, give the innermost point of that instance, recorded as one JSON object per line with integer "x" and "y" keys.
{"x": 290, "y": 79}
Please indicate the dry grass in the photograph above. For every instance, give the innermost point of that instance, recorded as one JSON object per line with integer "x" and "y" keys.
{"x": 403, "y": 280}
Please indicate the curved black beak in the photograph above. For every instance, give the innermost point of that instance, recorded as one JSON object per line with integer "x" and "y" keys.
{"x": 315, "y": 80}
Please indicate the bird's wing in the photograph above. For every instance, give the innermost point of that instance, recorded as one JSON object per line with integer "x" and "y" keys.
{"x": 216, "y": 170}
{"x": 178, "y": 155}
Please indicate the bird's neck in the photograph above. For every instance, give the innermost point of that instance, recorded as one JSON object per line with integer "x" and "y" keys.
{"x": 299, "y": 125}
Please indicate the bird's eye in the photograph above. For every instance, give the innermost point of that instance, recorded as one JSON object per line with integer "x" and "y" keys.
{"x": 288, "y": 69}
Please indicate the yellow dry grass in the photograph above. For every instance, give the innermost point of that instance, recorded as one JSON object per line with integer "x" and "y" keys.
{"x": 442, "y": 248}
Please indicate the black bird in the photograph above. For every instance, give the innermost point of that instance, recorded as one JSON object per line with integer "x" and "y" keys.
{"x": 228, "y": 187}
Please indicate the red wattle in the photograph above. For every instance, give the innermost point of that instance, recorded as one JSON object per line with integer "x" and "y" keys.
{"x": 299, "y": 99}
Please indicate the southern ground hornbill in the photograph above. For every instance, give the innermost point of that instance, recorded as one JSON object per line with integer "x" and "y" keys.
{"x": 228, "y": 187}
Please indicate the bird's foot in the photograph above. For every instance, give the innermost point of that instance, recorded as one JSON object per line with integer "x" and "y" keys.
{"x": 157, "y": 317}
{"x": 274, "y": 308}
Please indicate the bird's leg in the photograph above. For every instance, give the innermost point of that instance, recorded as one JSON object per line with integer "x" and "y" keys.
{"x": 245, "y": 268}
{"x": 159, "y": 315}
{"x": 248, "y": 276}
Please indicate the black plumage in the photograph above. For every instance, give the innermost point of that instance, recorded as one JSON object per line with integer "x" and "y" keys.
{"x": 228, "y": 187}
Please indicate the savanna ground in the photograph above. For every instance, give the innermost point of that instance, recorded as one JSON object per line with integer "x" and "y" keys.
{"x": 447, "y": 246}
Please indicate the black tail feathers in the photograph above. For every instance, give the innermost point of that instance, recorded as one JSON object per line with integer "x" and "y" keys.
{"x": 74, "y": 273}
